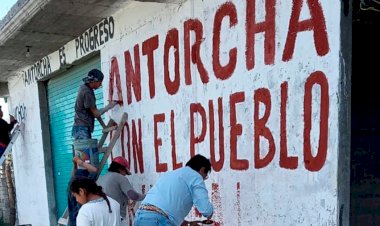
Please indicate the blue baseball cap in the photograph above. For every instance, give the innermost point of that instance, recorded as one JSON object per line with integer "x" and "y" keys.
{"x": 94, "y": 75}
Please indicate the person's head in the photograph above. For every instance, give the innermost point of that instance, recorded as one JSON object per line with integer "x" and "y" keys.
{"x": 120, "y": 165}
{"x": 85, "y": 189}
{"x": 82, "y": 188}
{"x": 200, "y": 164}
{"x": 94, "y": 78}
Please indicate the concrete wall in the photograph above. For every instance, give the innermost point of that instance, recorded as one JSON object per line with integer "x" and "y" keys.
{"x": 28, "y": 156}
{"x": 203, "y": 77}
{"x": 264, "y": 108}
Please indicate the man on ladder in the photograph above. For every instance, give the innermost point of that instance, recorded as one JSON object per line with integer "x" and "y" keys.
{"x": 5, "y": 130}
{"x": 85, "y": 114}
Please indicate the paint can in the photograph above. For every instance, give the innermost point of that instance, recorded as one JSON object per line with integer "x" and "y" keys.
{"x": 208, "y": 223}
{"x": 87, "y": 151}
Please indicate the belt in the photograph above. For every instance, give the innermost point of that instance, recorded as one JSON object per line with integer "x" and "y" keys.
{"x": 153, "y": 209}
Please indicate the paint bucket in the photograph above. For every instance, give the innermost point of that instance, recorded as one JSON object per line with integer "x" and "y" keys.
{"x": 87, "y": 151}
{"x": 208, "y": 223}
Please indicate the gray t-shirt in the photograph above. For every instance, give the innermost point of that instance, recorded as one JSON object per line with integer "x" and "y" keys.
{"x": 119, "y": 188}
{"x": 85, "y": 101}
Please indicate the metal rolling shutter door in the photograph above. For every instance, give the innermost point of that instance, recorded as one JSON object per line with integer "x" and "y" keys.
{"x": 62, "y": 92}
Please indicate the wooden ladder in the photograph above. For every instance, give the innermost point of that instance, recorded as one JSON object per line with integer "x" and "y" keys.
{"x": 106, "y": 150}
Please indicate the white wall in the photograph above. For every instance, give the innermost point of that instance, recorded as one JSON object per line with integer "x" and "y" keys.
{"x": 28, "y": 152}
{"x": 28, "y": 156}
{"x": 287, "y": 103}
{"x": 284, "y": 190}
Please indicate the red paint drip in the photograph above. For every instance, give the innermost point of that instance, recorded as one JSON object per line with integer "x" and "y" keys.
{"x": 238, "y": 207}
{"x": 216, "y": 201}
{"x": 197, "y": 213}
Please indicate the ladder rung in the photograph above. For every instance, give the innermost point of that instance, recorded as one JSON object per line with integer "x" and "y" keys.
{"x": 112, "y": 125}
{"x": 62, "y": 221}
{"x": 102, "y": 150}
{"x": 112, "y": 142}
{"x": 109, "y": 129}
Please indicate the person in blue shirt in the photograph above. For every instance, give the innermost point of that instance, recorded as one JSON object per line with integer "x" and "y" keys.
{"x": 170, "y": 200}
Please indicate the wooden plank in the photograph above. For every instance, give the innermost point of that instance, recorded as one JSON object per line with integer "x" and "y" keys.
{"x": 102, "y": 150}
{"x": 109, "y": 129}
{"x": 104, "y": 135}
{"x": 112, "y": 143}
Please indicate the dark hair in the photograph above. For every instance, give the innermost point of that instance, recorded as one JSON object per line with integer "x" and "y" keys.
{"x": 116, "y": 167}
{"x": 199, "y": 161}
{"x": 90, "y": 186}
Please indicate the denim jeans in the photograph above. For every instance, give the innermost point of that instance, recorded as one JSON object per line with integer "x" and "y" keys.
{"x": 81, "y": 132}
{"x": 150, "y": 218}
{"x": 78, "y": 133}
{"x": 2, "y": 149}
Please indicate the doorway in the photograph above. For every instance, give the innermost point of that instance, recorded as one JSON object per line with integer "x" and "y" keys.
{"x": 365, "y": 115}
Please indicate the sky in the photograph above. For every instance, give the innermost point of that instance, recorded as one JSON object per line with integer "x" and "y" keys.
{"x": 5, "y": 6}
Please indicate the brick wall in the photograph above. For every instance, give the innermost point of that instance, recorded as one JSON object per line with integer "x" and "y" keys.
{"x": 7, "y": 205}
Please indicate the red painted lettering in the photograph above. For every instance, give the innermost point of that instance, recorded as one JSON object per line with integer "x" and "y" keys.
{"x": 316, "y": 163}
{"x": 268, "y": 26}
{"x": 126, "y": 135}
{"x": 216, "y": 165}
{"x": 316, "y": 23}
{"x": 171, "y": 42}
{"x": 137, "y": 147}
{"x": 133, "y": 75}
{"x": 285, "y": 161}
{"x": 196, "y": 108}
{"x": 115, "y": 78}
{"x": 172, "y": 135}
{"x": 262, "y": 95}
{"x": 236, "y": 130}
{"x": 160, "y": 167}
{"x": 223, "y": 72}
{"x": 196, "y": 26}
{"x": 148, "y": 48}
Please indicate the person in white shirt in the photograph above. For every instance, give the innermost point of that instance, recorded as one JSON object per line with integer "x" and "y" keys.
{"x": 97, "y": 208}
